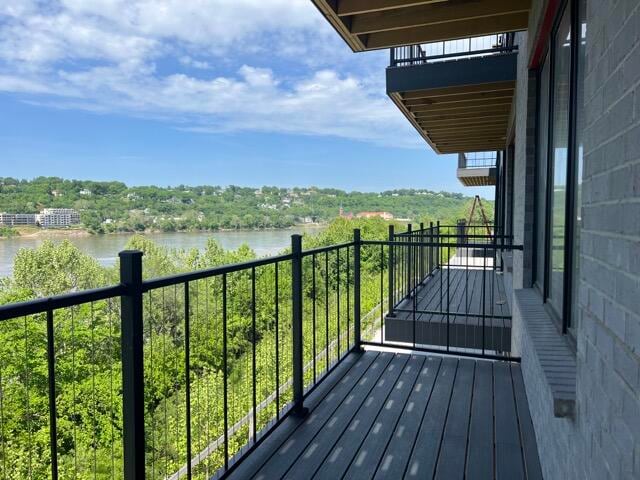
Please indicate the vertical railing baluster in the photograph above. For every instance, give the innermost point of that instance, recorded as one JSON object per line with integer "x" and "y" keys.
{"x": 356, "y": 289}
{"x": 187, "y": 373}
{"x": 438, "y": 252}
{"x": 326, "y": 309}
{"x": 277, "y": 346}
{"x": 225, "y": 386}
{"x": 421, "y": 250}
{"x": 448, "y": 295}
{"x": 348, "y": 268}
{"x": 484, "y": 271}
{"x": 53, "y": 418}
{"x": 253, "y": 348}
{"x": 296, "y": 314}
{"x": 412, "y": 294}
{"x": 431, "y": 268}
{"x": 313, "y": 315}
{"x": 391, "y": 273}
{"x": 132, "y": 365}
{"x": 382, "y": 292}
{"x": 338, "y": 300}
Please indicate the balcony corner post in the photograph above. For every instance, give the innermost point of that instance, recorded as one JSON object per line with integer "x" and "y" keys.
{"x": 297, "y": 313}
{"x": 132, "y": 365}
{"x": 421, "y": 257}
{"x": 390, "y": 312}
{"x": 438, "y": 257}
{"x": 409, "y": 266}
{"x": 357, "y": 338}
{"x": 431, "y": 266}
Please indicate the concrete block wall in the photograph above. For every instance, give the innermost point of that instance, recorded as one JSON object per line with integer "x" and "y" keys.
{"x": 609, "y": 295}
{"x": 602, "y": 440}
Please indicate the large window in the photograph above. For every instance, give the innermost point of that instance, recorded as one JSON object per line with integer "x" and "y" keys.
{"x": 541, "y": 173}
{"x": 558, "y": 156}
{"x": 559, "y": 167}
{"x": 579, "y": 149}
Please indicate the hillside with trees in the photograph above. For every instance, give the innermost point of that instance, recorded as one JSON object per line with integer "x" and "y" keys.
{"x": 107, "y": 207}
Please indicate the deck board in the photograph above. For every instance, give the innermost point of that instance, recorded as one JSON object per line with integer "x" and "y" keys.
{"x": 424, "y": 457}
{"x": 365, "y": 394}
{"x": 480, "y": 459}
{"x": 395, "y": 458}
{"x": 285, "y": 456}
{"x": 454, "y": 443}
{"x": 476, "y": 304}
{"x": 365, "y": 462}
{"x": 507, "y": 443}
{"x": 391, "y": 415}
{"x": 342, "y": 453}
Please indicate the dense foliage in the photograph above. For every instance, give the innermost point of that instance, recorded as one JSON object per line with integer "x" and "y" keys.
{"x": 113, "y": 206}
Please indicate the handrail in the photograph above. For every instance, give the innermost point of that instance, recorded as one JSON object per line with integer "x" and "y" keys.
{"x": 42, "y": 305}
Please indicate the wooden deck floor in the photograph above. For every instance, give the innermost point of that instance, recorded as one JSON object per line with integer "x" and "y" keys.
{"x": 462, "y": 290}
{"x": 390, "y": 416}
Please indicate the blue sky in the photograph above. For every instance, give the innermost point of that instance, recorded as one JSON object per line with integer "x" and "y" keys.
{"x": 246, "y": 92}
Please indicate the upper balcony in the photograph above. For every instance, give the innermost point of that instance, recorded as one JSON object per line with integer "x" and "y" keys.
{"x": 375, "y": 24}
{"x": 457, "y": 94}
{"x": 477, "y": 169}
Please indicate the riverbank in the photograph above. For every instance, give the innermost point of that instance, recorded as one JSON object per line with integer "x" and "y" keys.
{"x": 37, "y": 232}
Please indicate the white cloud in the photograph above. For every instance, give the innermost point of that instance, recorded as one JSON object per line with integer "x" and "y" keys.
{"x": 110, "y": 56}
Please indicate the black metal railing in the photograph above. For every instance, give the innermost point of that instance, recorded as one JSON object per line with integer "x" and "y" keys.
{"x": 477, "y": 160}
{"x": 417, "y": 54}
{"x": 445, "y": 291}
{"x": 182, "y": 376}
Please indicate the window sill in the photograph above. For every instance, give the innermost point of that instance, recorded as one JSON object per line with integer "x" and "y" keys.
{"x": 551, "y": 351}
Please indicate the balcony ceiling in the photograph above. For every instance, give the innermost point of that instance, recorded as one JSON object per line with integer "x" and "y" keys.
{"x": 375, "y": 24}
{"x": 458, "y": 106}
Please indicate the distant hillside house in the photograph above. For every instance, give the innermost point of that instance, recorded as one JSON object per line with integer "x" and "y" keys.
{"x": 85, "y": 192}
{"x": 383, "y": 215}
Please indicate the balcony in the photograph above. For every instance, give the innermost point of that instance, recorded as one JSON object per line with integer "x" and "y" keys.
{"x": 477, "y": 169}
{"x": 457, "y": 94}
{"x": 375, "y": 24}
{"x": 281, "y": 367}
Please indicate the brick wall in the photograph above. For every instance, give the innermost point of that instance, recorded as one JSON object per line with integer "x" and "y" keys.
{"x": 609, "y": 334}
{"x": 602, "y": 440}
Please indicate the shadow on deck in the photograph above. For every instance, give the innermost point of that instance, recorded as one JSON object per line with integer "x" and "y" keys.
{"x": 389, "y": 415}
{"x": 458, "y": 306}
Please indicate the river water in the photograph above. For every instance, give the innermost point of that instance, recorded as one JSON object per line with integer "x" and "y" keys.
{"x": 105, "y": 248}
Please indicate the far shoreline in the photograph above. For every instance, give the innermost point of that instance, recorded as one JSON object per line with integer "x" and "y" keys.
{"x": 37, "y": 232}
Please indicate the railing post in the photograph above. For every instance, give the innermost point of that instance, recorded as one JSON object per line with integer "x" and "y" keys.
{"x": 391, "y": 273}
{"x": 132, "y": 365}
{"x": 296, "y": 311}
{"x": 356, "y": 289}
{"x": 409, "y": 261}
{"x": 438, "y": 257}
{"x": 421, "y": 250}
{"x": 431, "y": 268}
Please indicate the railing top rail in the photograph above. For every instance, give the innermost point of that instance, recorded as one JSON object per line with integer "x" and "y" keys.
{"x": 42, "y": 305}
{"x": 488, "y": 246}
{"x": 330, "y": 248}
{"x": 211, "y": 272}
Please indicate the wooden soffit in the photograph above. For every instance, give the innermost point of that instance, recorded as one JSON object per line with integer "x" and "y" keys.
{"x": 375, "y": 24}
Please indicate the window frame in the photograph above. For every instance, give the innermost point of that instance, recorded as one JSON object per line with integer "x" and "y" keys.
{"x": 563, "y": 318}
